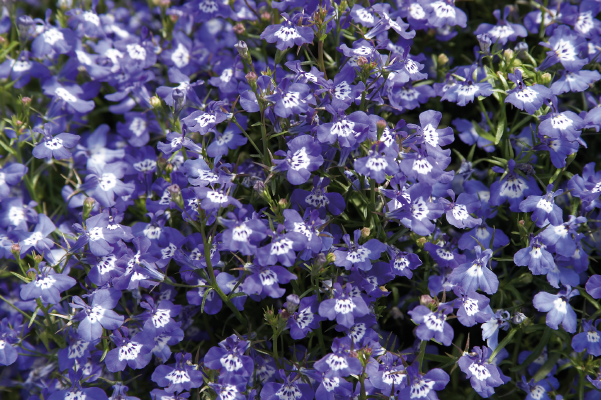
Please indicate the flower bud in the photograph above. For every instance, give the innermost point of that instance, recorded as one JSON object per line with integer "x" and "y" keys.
{"x": 521, "y": 222}
{"x": 2, "y": 40}
{"x": 88, "y": 206}
{"x": 365, "y": 232}
{"x": 421, "y": 242}
{"x": 174, "y": 17}
{"x": 518, "y": 318}
{"x": 251, "y": 77}
{"x": 176, "y": 195}
{"x": 259, "y": 186}
{"x": 485, "y": 42}
{"x": 361, "y": 61}
{"x": 546, "y": 78}
{"x": 508, "y": 54}
{"x": 426, "y": 300}
{"x": 330, "y": 258}
{"x": 155, "y": 102}
{"x": 16, "y": 250}
{"x": 381, "y": 125}
{"x": 26, "y": 101}
{"x": 284, "y": 314}
{"x": 179, "y": 98}
{"x": 292, "y": 302}
{"x": 320, "y": 259}
{"x": 442, "y": 59}
{"x": 242, "y": 47}
{"x": 24, "y": 22}
{"x": 239, "y": 29}
{"x": 266, "y": 16}
{"x": 283, "y": 203}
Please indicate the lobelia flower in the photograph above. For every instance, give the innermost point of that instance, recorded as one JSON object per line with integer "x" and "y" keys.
{"x": 242, "y": 233}
{"x": 340, "y": 362}
{"x": 588, "y": 339}
{"x": 159, "y": 317}
{"x": 567, "y": 125}
{"x": 22, "y": 70}
{"x": 176, "y": 141}
{"x": 418, "y": 215}
{"x": 432, "y": 324}
{"x": 425, "y": 168}
{"x": 503, "y": 31}
{"x": 538, "y": 390}
{"x": 377, "y": 164}
{"x": 535, "y": 257}
{"x": 331, "y": 387}
{"x": 558, "y": 149}
{"x": 137, "y": 127}
{"x": 231, "y": 388}
{"x": 135, "y": 352}
{"x": 97, "y": 235}
{"x": 16, "y": 214}
{"x": 305, "y": 319}
{"x": 303, "y": 157}
{"x": 98, "y": 315}
{"x": 386, "y": 22}
{"x": 344, "y": 307}
{"x": 265, "y": 280}
{"x": 466, "y": 91}
{"x": 120, "y": 393}
{"x": 204, "y": 295}
{"x": 358, "y": 256}
{"x": 104, "y": 184}
{"x": 403, "y": 263}
{"x": 527, "y": 98}
{"x": 76, "y": 391}
{"x": 445, "y": 253}
{"x": 458, "y": 211}
{"x": 565, "y": 46}
{"x": 169, "y": 94}
{"x": 283, "y": 248}
{"x": 47, "y": 285}
{"x": 77, "y": 351}
{"x": 8, "y": 340}
{"x": 471, "y": 306}
{"x": 309, "y": 225}
{"x": 69, "y": 96}
{"x": 575, "y": 81}
{"x": 543, "y": 208}
{"x": 513, "y": 187}
{"x": 229, "y": 357}
{"x": 52, "y": 41}
{"x": 391, "y": 376}
{"x": 230, "y": 139}
{"x": 490, "y": 329}
{"x": 442, "y": 13}
{"x": 10, "y": 175}
{"x": 214, "y": 197}
{"x": 54, "y": 146}
{"x": 292, "y": 388}
{"x": 319, "y": 199}
{"x": 483, "y": 376}
{"x": 405, "y": 69}
{"x": 484, "y": 235}
{"x": 364, "y": 16}
{"x": 207, "y": 119}
{"x": 424, "y": 385}
{"x": 183, "y": 375}
{"x": 199, "y": 173}
{"x": 558, "y": 308}
{"x": 342, "y": 91}
{"x": 433, "y": 138}
{"x": 37, "y": 239}
{"x": 289, "y": 33}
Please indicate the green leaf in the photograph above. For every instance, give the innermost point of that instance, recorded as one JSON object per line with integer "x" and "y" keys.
{"x": 536, "y": 352}
{"x": 501, "y": 130}
{"x": 23, "y": 278}
{"x": 547, "y": 366}
{"x": 503, "y": 343}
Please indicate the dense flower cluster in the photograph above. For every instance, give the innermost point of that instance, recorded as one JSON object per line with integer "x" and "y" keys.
{"x": 300, "y": 199}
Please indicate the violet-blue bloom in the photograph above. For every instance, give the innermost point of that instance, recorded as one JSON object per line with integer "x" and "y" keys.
{"x": 303, "y": 157}
{"x": 432, "y": 324}
{"x": 359, "y": 256}
{"x": 558, "y": 309}
{"x": 99, "y": 314}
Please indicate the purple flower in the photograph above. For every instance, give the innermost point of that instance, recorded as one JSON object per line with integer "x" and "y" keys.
{"x": 292, "y": 388}
{"x": 229, "y": 357}
{"x": 404, "y": 69}
{"x": 575, "y": 81}
{"x": 528, "y": 98}
{"x": 283, "y": 248}
{"x": 386, "y": 22}
{"x": 476, "y": 275}
{"x": 483, "y": 234}
{"x": 466, "y": 91}
{"x": 503, "y": 31}
{"x": 513, "y": 187}
{"x": 588, "y": 340}
{"x": 175, "y": 142}
{"x": 76, "y": 391}
{"x": 230, "y": 139}
{"x": 310, "y": 226}
{"x": 593, "y": 286}
{"x": 69, "y": 96}
{"x": 54, "y": 146}
{"x": 135, "y": 352}
{"x": 471, "y": 306}
{"x": 265, "y": 281}
{"x": 344, "y": 307}
{"x": 567, "y": 125}
{"x": 483, "y": 375}
{"x": 565, "y": 46}
{"x": 303, "y": 157}
{"x": 137, "y": 127}
{"x": 48, "y": 285}
{"x": 98, "y": 315}
{"x": 535, "y": 257}
{"x": 558, "y": 308}
{"x": 403, "y": 263}
{"x": 52, "y": 40}
{"x": 423, "y": 167}
{"x": 443, "y": 12}
{"x": 340, "y": 362}
{"x": 204, "y": 121}
{"x": 305, "y": 319}
{"x": 424, "y": 386}
{"x": 216, "y": 197}
{"x": 105, "y": 183}
{"x": 539, "y": 390}
{"x": 418, "y": 215}
{"x": 159, "y": 317}
{"x": 543, "y": 208}
{"x": 243, "y": 234}
{"x": 358, "y": 256}
{"x": 377, "y": 164}
{"x": 10, "y": 175}
{"x": 37, "y": 238}
{"x": 289, "y": 33}
{"x": 558, "y": 149}
{"x": 319, "y": 199}
{"x": 203, "y": 295}
{"x": 432, "y": 324}
{"x": 181, "y": 376}
{"x": 8, "y": 340}
{"x": 342, "y": 91}
{"x": 491, "y": 328}
{"x": 458, "y": 212}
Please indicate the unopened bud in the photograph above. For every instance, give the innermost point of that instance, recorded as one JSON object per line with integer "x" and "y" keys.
{"x": 292, "y": 302}
{"x": 381, "y": 125}
{"x": 518, "y": 318}
{"x": 266, "y": 16}
{"x": 37, "y": 258}
{"x": 508, "y": 54}
{"x": 283, "y": 203}
{"x": 174, "y": 190}
{"x": 421, "y": 242}
{"x": 174, "y": 17}
{"x": 426, "y": 300}
{"x": 284, "y": 314}
{"x": 330, "y": 258}
{"x": 169, "y": 169}
{"x": 26, "y": 101}
{"x": 485, "y": 42}
{"x": 31, "y": 274}
{"x": 365, "y": 232}
{"x": 16, "y": 250}
{"x": 259, "y": 186}
{"x": 2, "y": 40}
{"x": 88, "y": 206}
{"x": 19, "y": 123}
{"x": 155, "y": 102}
{"x": 161, "y": 163}
{"x": 442, "y": 59}
{"x": 361, "y": 61}
{"x": 24, "y": 22}
{"x": 547, "y": 78}
{"x": 251, "y": 77}
{"x": 521, "y": 222}
{"x": 239, "y": 29}
{"x": 320, "y": 259}
{"x": 242, "y": 48}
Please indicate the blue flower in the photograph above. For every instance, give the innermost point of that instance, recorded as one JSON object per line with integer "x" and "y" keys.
{"x": 543, "y": 208}
{"x": 471, "y": 306}
{"x": 565, "y": 46}
{"x": 229, "y": 357}
{"x": 535, "y": 257}
{"x": 344, "y": 307}
{"x": 467, "y": 91}
{"x": 558, "y": 308}
{"x": 8, "y": 340}
{"x": 265, "y": 280}
{"x": 358, "y": 256}
{"x": 483, "y": 376}
{"x": 181, "y": 376}
{"x": 98, "y": 315}
{"x": 303, "y": 157}
{"x": 424, "y": 385}
{"x": 386, "y": 22}
{"x": 340, "y": 362}
{"x": 490, "y": 329}
{"x": 458, "y": 211}
{"x": 432, "y": 324}
{"x": 292, "y": 388}
{"x": 305, "y": 319}
{"x": 528, "y": 98}
{"x": 289, "y": 33}
{"x": 47, "y": 285}
{"x": 589, "y": 339}
{"x": 513, "y": 187}
{"x": 76, "y": 390}
{"x": 476, "y": 274}
{"x": 503, "y": 31}
{"x": 135, "y": 352}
